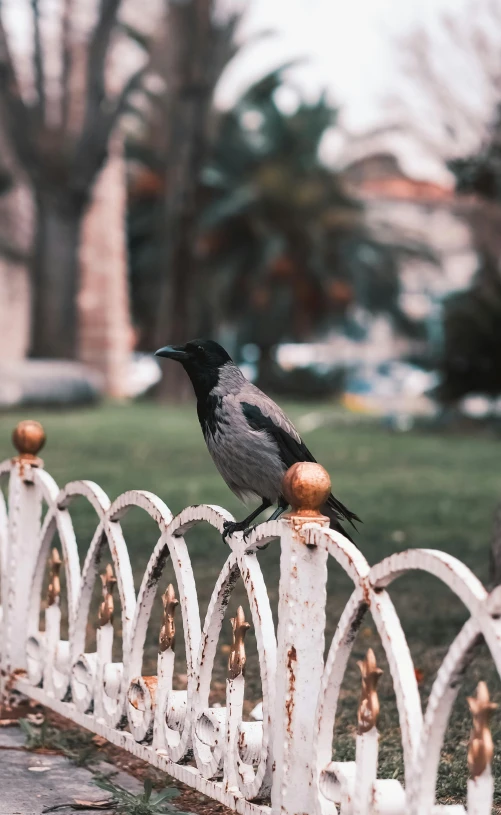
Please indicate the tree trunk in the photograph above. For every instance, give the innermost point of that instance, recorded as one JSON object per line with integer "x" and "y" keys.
{"x": 105, "y": 330}
{"x": 188, "y": 33}
{"x": 175, "y": 385}
{"x": 14, "y": 310}
{"x": 16, "y": 242}
{"x": 55, "y": 277}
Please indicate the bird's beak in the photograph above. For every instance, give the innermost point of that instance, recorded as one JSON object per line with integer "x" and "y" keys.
{"x": 176, "y": 352}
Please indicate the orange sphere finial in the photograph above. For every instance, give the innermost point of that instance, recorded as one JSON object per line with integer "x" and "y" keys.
{"x": 28, "y": 438}
{"x": 306, "y": 486}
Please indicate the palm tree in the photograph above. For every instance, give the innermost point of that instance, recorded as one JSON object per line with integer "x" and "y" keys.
{"x": 287, "y": 248}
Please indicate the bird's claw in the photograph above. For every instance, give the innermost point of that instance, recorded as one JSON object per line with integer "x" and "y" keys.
{"x": 248, "y": 531}
{"x": 230, "y": 527}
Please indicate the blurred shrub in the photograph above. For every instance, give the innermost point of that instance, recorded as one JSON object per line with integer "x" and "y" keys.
{"x": 471, "y": 358}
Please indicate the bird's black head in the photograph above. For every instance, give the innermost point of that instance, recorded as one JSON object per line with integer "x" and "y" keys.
{"x": 201, "y": 360}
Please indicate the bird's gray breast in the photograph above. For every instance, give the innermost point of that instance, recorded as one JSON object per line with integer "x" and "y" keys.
{"x": 248, "y": 460}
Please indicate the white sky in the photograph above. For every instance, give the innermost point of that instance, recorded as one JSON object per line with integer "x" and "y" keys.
{"x": 350, "y": 47}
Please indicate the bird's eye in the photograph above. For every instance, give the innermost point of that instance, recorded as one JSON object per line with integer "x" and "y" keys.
{"x": 200, "y": 349}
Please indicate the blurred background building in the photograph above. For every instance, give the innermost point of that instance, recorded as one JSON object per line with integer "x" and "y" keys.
{"x": 316, "y": 187}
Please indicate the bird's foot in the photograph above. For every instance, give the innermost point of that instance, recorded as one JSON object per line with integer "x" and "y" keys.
{"x": 249, "y": 531}
{"x": 230, "y": 527}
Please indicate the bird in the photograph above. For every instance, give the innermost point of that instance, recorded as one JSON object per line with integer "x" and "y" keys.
{"x": 251, "y": 440}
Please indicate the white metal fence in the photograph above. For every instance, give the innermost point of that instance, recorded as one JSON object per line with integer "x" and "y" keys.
{"x": 282, "y": 764}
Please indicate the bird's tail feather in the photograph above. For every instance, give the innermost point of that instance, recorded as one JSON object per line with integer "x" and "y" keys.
{"x": 334, "y": 521}
{"x": 340, "y": 511}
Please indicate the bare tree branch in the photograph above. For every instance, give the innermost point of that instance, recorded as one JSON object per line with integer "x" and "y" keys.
{"x": 17, "y": 114}
{"x": 8, "y": 73}
{"x": 91, "y": 149}
{"x": 88, "y": 162}
{"x": 98, "y": 50}
{"x": 66, "y": 63}
{"x": 132, "y": 84}
{"x": 38, "y": 60}
{"x": 222, "y": 47}
{"x": 98, "y": 47}
{"x": 450, "y": 121}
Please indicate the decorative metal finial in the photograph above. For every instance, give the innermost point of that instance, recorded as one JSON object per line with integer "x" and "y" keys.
{"x": 54, "y": 590}
{"x": 107, "y": 606}
{"x": 480, "y": 748}
{"x": 306, "y": 486}
{"x": 28, "y": 438}
{"x": 368, "y": 709}
{"x": 167, "y": 638}
{"x": 237, "y": 660}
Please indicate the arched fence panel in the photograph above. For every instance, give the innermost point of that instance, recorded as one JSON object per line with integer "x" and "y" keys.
{"x": 281, "y": 762}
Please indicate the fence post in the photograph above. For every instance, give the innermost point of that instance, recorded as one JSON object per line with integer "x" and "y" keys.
{"x": 25, "y": 507}
{"x": 301, "y": 638}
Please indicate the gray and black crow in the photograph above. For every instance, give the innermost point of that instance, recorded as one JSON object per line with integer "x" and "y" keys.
{"x": 250, "y": 439}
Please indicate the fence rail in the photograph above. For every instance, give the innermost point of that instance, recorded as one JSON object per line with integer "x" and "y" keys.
{"x": 282, "y": 764}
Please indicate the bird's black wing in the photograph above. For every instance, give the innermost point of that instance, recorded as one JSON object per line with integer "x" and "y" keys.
{"x": 291, "y": 449}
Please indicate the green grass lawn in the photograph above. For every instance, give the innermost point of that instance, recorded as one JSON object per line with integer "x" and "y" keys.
{"x": 418, "y": 489}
